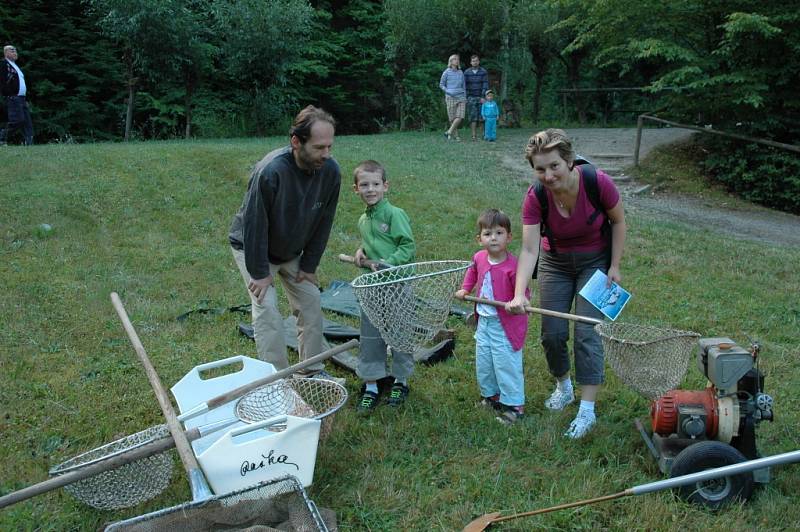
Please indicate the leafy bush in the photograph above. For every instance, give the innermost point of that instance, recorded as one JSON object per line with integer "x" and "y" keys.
{"x": 268, "y": 111}
{"x": 423, "y": 101}
{"x": 765, "y": 175}
{"x": 216, "y": 117}
{"x": 264, "y": 112}
{"x": 160, "y": 116}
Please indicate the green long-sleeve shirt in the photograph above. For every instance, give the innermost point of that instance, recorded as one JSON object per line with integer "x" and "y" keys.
{"x": 386, "y": 234}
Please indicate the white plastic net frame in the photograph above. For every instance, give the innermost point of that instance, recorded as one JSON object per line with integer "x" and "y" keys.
{"x": 126, "y": 485}
{"x": 408, "y": 304}
{"x": 308, "y": 398}
{"x": 650, "y": 360}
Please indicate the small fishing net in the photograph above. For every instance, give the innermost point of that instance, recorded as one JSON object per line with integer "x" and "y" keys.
{"x": 309, "y": 398}
{"x": 279, "y": 503}
{"x": 145, "y": 478}
{"x": 127, "y": 485}
{"x": 650, "y": 360}
{"x": 409, "y": 304}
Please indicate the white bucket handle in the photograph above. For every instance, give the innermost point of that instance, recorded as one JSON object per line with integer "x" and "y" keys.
{"x": 211, "y": 428}
{"x": 277, "y": 420}
{"x": 218, "y": 364}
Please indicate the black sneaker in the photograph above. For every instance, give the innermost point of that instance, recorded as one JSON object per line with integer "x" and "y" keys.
{"x": 491, "y": 403}
{"x": 398, "y": 394}
{"x": 510, "y": 415}
{"x": 368, "y": 402}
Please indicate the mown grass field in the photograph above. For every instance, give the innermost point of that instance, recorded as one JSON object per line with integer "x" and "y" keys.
{"x": 150, "y": 221}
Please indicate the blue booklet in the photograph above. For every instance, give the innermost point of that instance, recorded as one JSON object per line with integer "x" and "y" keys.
{"x": 609, "y": 301}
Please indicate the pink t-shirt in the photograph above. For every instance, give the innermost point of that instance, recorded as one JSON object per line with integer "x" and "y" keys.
{"x": 572, "y": 233}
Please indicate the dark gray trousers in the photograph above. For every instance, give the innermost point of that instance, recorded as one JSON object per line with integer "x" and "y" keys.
{"x": 372, "y": 358}
{"x": 561, "y": 276}
{"x": 19, "y": 117}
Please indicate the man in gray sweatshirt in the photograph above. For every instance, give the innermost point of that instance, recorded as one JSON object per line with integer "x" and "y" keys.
{"x": 281, "y": 230}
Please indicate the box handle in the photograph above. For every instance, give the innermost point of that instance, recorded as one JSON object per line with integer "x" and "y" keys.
{"x": 195, "y": 372}
{"x": 277, "y": 420}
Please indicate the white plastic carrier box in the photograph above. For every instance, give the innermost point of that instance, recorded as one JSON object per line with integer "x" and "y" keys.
{"x": 247, "y": 455}
{"x": 194, "y": 388}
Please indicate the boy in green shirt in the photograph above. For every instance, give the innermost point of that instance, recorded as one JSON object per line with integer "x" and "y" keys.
{"x": 386, "y": 238}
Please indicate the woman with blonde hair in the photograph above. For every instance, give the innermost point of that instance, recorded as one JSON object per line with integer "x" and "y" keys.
{"x": 455, "y": 96}
{"x": 575, "y": 212}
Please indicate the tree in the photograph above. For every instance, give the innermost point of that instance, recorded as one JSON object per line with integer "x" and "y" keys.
{"x": 729, "y": 64}
{"x": 195, "y": 49}
{"x": 71, "y": 77}
{"x": 719, "y": 57}
{"x": 350, "y": 76}
{"x": 143, "y": 29}
{"x": 264, "y": 42}
{"x": 532, "y": 24}
{"x": 413, "y": 37}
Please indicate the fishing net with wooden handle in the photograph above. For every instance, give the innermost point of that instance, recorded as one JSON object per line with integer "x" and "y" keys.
{"x": 650, "y": 360}
{"x": 409, "y": 304}
{"x": 124, "y": 486}
{"x": 309, "y": 398}
{"x": 143, "y": 479}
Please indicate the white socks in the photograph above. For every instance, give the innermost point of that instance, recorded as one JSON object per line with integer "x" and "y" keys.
{"x": 565, "y": 385}
{"x": 372, "y": 387}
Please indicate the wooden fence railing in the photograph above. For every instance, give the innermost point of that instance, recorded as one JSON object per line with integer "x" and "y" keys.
{"x": 643, "y": 117}
{"x": 608, "y": 104}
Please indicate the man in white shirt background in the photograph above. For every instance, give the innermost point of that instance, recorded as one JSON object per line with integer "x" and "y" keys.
{"x": 12, "y": 82}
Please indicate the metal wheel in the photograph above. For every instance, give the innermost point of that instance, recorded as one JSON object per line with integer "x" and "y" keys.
{"x": 712, "y": 493}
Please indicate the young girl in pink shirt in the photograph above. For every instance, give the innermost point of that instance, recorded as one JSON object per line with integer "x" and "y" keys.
{"x": 500, "y": 335}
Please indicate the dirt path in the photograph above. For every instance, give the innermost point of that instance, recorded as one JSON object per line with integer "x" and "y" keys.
{"x": 612, "y": 150}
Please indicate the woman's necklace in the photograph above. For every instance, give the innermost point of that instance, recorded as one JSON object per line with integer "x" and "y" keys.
{"x": 561, "y": 203}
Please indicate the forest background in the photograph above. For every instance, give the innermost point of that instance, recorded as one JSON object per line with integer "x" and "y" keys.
{"x": 163, "y": 69}
{"x": 215, "y": 69}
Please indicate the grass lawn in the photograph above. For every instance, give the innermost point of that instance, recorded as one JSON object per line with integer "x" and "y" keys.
{"x": 150, "y": 221}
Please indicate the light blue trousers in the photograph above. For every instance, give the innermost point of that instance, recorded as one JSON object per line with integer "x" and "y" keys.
{"x": 497, "y": 365}
{"x": 490, "y": 129}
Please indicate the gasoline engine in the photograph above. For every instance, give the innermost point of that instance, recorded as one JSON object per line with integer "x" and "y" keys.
{"x": 697, "y": 430}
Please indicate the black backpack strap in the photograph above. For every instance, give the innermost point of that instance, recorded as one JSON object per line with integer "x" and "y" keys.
{"x": 589, "y": 175}
{"x": 544, "y": 209}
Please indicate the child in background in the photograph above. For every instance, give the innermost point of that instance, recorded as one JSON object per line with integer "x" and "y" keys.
{"x": 489, "y": 113}
{"x": 500, "y": 335}
{"x": 386, "y": 238}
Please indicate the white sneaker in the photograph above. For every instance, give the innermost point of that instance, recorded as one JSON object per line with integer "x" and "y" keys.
{"x": 559, "y": 399}
{"x": 581, "y": 425}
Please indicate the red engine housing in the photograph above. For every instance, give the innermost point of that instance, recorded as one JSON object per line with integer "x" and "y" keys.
{"x": 664, "y": 410}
